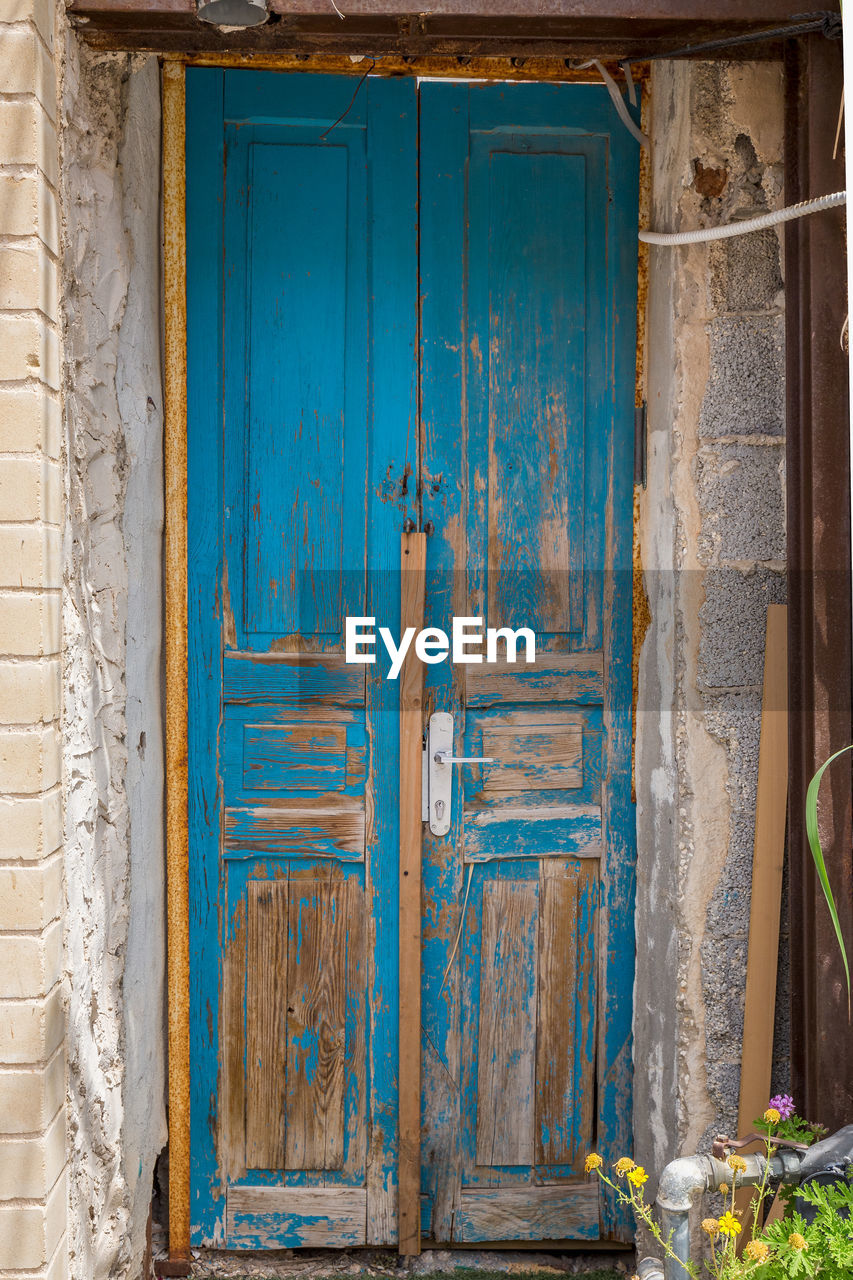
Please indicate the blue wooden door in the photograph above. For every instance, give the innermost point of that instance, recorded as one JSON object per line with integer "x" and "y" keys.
{"x": 302, "y": 431}
{"x": 324, "y": 411}
{"x": 528, "y": 269}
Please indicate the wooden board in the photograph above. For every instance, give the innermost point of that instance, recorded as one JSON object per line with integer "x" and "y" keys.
{"x": 266, "y": 1029}
{"x": 767, "y": 865}
{"x": 565, "y": 1043}
{"x": 563, "y": 831}
{"x": 555, "y": 1040}
{"x": 319, "y": 1217}
{"x": 292, "y": 677}
{"x": 295, "y": 757}
{"x": 528, "y": 1213}
{"x": 273, "y": 830}
{"x": 316, "y": 1024}
{"x": 570, "y": 677}
{"x": 532, "y": 759}
{"x": 507, "y": 1040}
{"x": 231, "y": 1145}
{"x": 412, "y": 568}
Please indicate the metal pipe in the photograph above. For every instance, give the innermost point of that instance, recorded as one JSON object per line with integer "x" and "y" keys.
{"x": 683, "y": 1179}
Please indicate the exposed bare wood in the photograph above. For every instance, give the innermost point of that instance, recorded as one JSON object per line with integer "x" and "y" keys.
{"x": 304, "y": 757}
{"x": 177, "y": 840}
{"x": 316, "y": 1024}
{"x": 277, "y": 831}
{"x": 532, "y": 760}
{"x": 569, "y": 677}
{"x": 507, "y": 1038}
{"x": 257, "y": 678}
{"x": 356, "y": 1046}
{"x": 585, "y": 1028}
{"x": 232, "y": 1096}
{"x": 556, "y": 831}
{"x": 768, "y": 859}
{"x": 555, "y": 1032}
{"x": 325, "y": 1217}
{"x": 266, "y": 1023}
{"x": 533, "y": 1213}
{"x": 413, "y": 565}
{"x": 539, "y": 718}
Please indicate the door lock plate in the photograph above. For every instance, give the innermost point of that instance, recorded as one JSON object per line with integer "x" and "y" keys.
{"x": 437, "y": 773}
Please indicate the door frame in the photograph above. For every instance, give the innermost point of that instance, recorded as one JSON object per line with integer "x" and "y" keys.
{"x": 175, "y": 530}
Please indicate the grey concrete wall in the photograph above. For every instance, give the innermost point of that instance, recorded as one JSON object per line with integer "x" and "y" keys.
{"x": 112, "y": 730}
{"x": 713, "y": 548}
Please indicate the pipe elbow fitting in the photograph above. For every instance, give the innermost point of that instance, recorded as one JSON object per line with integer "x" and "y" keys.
{"x": 682, "y": 1180}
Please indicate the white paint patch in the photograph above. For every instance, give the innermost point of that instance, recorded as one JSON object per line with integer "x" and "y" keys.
{"x": 114, "y": 871}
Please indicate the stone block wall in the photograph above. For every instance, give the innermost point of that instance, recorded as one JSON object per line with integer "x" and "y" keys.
{"x": 33, "y": 1189}
{"x": 713, "y": 547}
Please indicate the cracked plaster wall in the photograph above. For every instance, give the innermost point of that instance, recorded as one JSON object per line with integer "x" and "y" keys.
{"x": 713, "y": 549}
{"x": 112, "y": 732}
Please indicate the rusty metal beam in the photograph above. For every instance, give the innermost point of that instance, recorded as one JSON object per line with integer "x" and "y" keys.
{"x": 520, "y": 28}
{"x": 821, "y": 719}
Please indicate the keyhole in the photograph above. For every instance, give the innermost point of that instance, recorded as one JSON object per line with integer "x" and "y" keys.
{"x": 439, "y": 809}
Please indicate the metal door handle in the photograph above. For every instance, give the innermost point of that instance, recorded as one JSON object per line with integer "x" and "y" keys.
{"x": 444, "y": 757}
{"x": 437, "y": 779}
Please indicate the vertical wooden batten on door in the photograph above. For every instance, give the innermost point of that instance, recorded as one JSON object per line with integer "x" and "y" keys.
{"x": 412, "y": 571}
{"x": 175, "y": 462}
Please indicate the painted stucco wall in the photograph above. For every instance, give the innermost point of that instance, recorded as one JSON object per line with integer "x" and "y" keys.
{"x": 713, "y": 548}
{"x": 112, "y": 591}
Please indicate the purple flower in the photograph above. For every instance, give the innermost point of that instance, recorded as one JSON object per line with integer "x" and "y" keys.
{"x": 784, "y": 1104}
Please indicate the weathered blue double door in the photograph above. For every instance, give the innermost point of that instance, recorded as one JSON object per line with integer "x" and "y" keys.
{"x": 421, "y": 312}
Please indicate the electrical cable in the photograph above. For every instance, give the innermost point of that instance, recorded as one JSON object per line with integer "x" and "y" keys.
{"x": 617, "y": 99}
{"x": 825, "y": 21}
{"x": 704, "y": 234}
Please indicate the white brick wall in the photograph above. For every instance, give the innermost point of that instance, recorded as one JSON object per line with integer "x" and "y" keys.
{"x": 33, "y": 1192}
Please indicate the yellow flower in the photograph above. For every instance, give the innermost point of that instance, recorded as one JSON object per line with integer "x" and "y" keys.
{"x": 796, "y": 1241}
{"x": 710, "y": 1226}
{"x": 737, "y": 1163}
{"x": 757, "y": 1251}
{"x": 772, "y": 1116}
{"x": 625, "y": 1165}
{"x": 593, "y": 1161}
{"x": 638, "y": 1176}
{"x": 724, "y": 1188}
{"x": 729, "y": 1224}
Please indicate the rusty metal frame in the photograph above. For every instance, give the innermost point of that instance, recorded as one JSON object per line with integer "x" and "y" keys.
{"x": 538, "y": 69}
{"x": 819, "y": 583}
{"x": 566, "y": 29}
{"x": 177, "y": 841}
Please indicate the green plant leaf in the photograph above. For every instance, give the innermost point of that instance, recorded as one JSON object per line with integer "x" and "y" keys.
{"x": 817, "y": 854}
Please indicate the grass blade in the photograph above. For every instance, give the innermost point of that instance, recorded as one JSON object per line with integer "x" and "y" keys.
{"x": 817, "y": 854}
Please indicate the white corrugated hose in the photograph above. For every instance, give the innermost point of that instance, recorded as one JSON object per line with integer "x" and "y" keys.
{"x": 749, "y": 224}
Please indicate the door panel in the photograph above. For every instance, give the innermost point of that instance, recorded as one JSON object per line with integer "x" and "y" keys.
{"x": 524, "y": 329}
{"x": 303, "y": 432}
{"x": 323, "y": 413}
